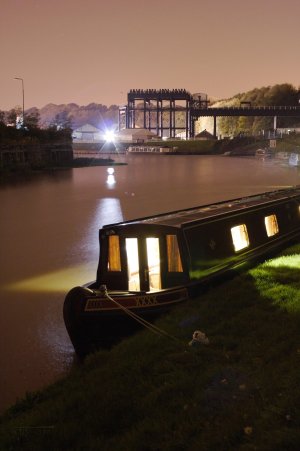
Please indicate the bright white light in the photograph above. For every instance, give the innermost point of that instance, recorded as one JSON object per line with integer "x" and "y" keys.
{"x": 110, "y": 171}
{"x": 109, "y": 136}
{"x": 110, "y": 180}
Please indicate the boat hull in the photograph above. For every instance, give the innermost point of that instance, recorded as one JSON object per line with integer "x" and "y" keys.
{"x": 95, "y": 320}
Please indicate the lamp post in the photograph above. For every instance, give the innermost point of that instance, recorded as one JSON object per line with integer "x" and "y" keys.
{"x": 23, "y": 116}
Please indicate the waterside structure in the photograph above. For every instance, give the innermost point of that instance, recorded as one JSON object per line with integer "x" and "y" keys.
{"x": 29, "y": 151}
{"x": 169, "y": 112}
{"x": 35, "y": 156}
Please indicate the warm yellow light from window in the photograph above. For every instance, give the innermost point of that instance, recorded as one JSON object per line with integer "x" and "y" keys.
{"x": 240, "y": 237}
{"x": 174, "y": 260}
{"x": 271, "y": 225}
{"x": 114, "y": 260}
{"x": 133, "y": 264}
{"x": 153, "y": 259}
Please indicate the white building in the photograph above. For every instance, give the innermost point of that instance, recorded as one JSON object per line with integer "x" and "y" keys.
{"x": 88, "y": 134}
{"x": 135, "y": 135}
{"x": 205, "y": 135}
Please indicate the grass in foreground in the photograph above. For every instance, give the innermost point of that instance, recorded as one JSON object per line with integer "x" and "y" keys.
{"x": 239, "y": 392}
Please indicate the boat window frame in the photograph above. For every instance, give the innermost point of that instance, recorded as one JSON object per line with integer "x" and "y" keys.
{"x": 116, "y": 254}
{"x": 175, "y": 260}
{"x": 243, "y": 237}
{"x": 153, "y": 271}
{"x": 132, "y": 247}
{"x": 271, "y": 225}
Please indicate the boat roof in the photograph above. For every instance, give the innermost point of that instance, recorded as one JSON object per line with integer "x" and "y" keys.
{"x": 182, "y": 218}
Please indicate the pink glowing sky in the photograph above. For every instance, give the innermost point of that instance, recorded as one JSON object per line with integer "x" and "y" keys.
{"x": 85, "y": 51}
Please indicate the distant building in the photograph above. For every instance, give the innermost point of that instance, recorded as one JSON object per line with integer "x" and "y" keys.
{"x": 88, "y": 134}
{"x": 136, "y": 135}
{"x": 205, "y": 135}
{"x": 288, "y": 130}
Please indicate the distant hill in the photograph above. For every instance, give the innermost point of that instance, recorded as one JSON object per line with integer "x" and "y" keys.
{"x": 283, "y": 94}
{"x": 95, "y": 114}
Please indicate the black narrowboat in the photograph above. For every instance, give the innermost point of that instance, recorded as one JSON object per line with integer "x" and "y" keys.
{"x": 149, "y": 265}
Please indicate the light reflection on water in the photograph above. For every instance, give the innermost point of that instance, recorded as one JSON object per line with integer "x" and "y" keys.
{"x": 107, "y": 211}
{"x": 49, "y": 242}
{"x": 57, "y": 281}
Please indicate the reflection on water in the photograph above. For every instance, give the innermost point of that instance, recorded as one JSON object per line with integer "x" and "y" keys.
{"x": 111, "y": 179}
{"x": 107, "y": 211}
{"x": 55, "y": 281}
{"x": 49, "y": 242}
{"x": 59, "y": 281}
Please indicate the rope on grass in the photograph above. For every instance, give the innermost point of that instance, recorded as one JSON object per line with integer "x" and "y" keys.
{"x": 139, "y": 319}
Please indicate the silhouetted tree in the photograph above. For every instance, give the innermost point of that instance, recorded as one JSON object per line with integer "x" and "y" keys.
{"x": 63, "y": 120}
{"x": 12, "y": 115}
{"x": 2, "y": 117}
{"x": 277, "y": 95}
{"x": 32, "y": 119}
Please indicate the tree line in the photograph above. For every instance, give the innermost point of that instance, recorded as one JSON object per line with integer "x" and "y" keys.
{"x": 277, "y": 95}
{"x": 71, "y": 116}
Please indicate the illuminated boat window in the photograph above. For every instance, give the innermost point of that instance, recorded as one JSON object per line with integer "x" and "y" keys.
{"x": 271, "y": 225}
{"x": 153, "y": 260}
{"x": 133, "y": 264}
{"x": 240, "y": 237}
{"x": 174, "y": 260}
{"x": 114, "y": 260}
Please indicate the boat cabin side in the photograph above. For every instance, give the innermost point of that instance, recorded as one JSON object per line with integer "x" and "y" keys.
{"x": 141, "y": 257}
{"x": 223, "y": 241}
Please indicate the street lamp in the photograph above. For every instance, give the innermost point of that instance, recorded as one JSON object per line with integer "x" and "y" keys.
{"x": 21, "y": 79}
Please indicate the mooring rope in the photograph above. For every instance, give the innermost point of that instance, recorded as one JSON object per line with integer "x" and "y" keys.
{"x": 139, "y": 319}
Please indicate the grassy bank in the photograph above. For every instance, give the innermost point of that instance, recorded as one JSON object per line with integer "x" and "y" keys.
{"x": 239, "y": 392}
{"x": 237, "y": 145}
{"x": 289, "y": 143}
{"x": 187, "y": 147}
{"x": 213, "y": 147}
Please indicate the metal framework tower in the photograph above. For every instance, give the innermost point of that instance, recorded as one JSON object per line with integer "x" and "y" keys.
{"x": 165, "y": 112}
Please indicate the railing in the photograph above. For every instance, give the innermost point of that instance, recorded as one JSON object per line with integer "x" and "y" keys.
{"x": 284, "y": 107}
{"x": 280, "y": 110}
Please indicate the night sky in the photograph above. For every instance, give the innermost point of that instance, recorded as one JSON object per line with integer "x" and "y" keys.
{"x": 85, "y": 51}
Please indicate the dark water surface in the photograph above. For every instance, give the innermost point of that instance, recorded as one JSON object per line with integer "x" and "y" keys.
{"x": 49, "y": 242}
